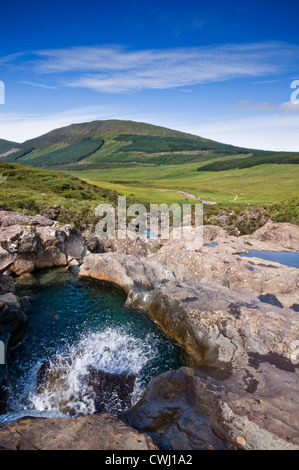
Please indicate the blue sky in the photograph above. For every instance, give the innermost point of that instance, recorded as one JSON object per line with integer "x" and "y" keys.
{"x": 219, "y": 69}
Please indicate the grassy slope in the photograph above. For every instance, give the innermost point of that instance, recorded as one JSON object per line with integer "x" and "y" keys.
{"x": 6, "y": 145}
{"x": 55, "y": 194}
{"x": 152, "y": 164}
{"x": 259, "y": 185}
{"x": 264, "y": 192}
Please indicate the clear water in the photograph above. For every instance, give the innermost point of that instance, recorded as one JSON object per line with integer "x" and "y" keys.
{"x": 287, "y": 258}
{"x": 88, "y": 323}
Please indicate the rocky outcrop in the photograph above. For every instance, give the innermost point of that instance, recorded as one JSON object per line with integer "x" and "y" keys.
{"x": 280, "y": 237}
{"x": 37, "y": 242}
{"x": 140, "y": 248}
{"x": 232, "y": 315}
{"x": 235, "y": 318}
{"x": 96, "y": 432}
{"x": 12, "y": 317}
{"x": 126, "y": 271}
{"x": 185, "y": 409}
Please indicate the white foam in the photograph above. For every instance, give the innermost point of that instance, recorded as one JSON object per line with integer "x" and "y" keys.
{"x": 112, "y": 350}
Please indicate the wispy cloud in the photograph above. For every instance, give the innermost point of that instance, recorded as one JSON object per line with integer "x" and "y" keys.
{"x": 115, "y": 69}
{"x": 39, "y": 85}
{"x": 246, "y": 105}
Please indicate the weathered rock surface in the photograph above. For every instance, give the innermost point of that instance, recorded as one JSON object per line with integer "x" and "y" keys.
{"x": 9, "y": 218}
{"x": 6, "y": 284}
{"x": 187, "y": 410}
{"x": 96, "y": 432}
{"x": 280, "y": 236}
{"x": 127, "y": 271}
{"x": 139, "y": 248}
{"x": 37, "y": 242}
{"x": 6, "y": 260}
{"x": 235, "y": 318}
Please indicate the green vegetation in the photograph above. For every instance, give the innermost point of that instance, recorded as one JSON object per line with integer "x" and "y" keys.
{"x": 17, "y": 155}
{"x": 71, "y": 154}
{"x": 154, "y": 144}
{"x": 151, "y": 164}
{"x": 53, "y": 194}
{"x": 6, "y": 145}
{"x": 255, "y": 160}
{"x": 110, "y": 144}
{"x": 103, "y": 143}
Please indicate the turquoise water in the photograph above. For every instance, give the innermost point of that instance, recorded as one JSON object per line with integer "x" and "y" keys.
{"x": 88, "y": 323}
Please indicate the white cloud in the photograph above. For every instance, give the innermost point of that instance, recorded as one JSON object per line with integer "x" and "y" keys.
{"x": 114, "y": 69}
{"x": 289, "y": 108}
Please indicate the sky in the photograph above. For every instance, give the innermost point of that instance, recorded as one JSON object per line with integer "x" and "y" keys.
{"x": 219, "y": 69}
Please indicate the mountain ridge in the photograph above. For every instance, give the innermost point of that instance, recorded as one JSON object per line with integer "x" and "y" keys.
{"x": 97, "y": 144}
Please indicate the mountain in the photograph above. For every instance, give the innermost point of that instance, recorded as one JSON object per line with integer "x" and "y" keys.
{"x": 102, "y": 144}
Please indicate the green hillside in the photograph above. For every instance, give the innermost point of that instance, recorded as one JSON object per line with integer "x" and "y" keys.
{"x": 100, "y": 144}
{"x": 6, "y": 146}
{"x": 114, "y": 144}
{"x": 255, "y": 160}
{"x": 151, "y": 164}
{"x": 54, "y": 194}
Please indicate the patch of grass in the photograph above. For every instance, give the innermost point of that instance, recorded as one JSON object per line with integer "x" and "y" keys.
{"x": 53, "y": 194}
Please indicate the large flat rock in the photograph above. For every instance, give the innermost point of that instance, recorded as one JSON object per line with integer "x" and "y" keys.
{"x": 96, "y": 432}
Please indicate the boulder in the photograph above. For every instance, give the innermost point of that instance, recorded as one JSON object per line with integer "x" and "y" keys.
{"x": 36, "y": 242}
{"x": 6, "y": 260}
{"x": 96, "y": 432}
{"x": 74, "y": 242}
{"x": 12, "y": 317}
{"x": 93, "y": 243}
{"x": 127, "y": 271}
{"x": 6, "y": 284}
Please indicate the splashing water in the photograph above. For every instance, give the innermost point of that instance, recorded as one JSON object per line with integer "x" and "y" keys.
{"x": 95, "y": 353}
